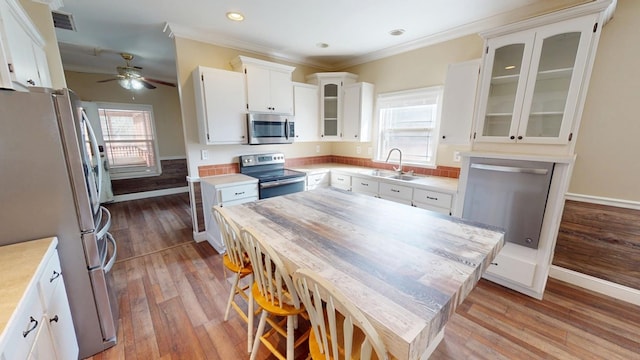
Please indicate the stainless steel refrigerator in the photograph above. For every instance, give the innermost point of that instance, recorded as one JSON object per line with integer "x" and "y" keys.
{"x": 50, "y": 186}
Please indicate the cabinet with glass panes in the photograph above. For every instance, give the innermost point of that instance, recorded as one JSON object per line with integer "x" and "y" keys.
{"x": 532, "y": 82}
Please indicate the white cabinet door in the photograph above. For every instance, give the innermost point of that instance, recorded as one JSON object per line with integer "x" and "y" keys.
{"x": 43, "y": 348}
{"x": 281, "y": 92}
{"x": 20, "y": 37}
{"x": 532, "y": 81}
{"x": 357, "y": 112}
{"x": 307, "y": 112}
{"x": 42, "y": 66}
{"x": 61, "y": 325}
{"x": 220, "y": 106}
{"x": 258, "y": 89}
{"x": 364, "y": 185}
{"x": 397, "y": 193}
{"x": 331, "y": 102}
{"x": 458, "y": 102}
{"x": 341, "y": 181}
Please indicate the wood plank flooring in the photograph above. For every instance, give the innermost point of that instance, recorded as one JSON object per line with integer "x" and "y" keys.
{"x": 172, "y": 305}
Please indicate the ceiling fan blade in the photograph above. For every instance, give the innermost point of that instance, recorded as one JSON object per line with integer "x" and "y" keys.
{"x": 146, "y": 84}
{"x": 159, "y": 82}
{"x": 107, "y": 80}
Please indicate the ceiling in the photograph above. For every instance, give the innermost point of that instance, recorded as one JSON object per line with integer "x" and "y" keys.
{"x": 356, "y": 31}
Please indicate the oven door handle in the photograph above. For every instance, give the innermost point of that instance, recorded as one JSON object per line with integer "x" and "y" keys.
{"x": 270, "y": 184}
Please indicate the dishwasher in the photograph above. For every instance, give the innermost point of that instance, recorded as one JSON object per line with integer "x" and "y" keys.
{"x": 510, "y": 194}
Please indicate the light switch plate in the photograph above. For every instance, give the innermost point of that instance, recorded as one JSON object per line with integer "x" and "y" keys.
{"x": 204, "y": 154}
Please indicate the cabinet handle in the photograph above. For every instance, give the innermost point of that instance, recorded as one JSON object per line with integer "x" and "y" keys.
{"x": 54, "y": 276}
{"x": 364, "y": 184}
{"x": 432, "y": 198}
{"x": 35, "y": 325}
{"x": 494, "y": 263}
{"x": 31, "y": 82}
{"x": 239, "y": 193}
{"x": 394, "y": 190}
{"x": 512, "y": 137}
{"x": 54, "y": 319}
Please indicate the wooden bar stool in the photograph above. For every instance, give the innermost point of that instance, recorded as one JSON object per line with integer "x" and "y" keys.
{"x": 338, "y": 329}
{"x": 274, "y": 292}
{"x": 236, "y": 261}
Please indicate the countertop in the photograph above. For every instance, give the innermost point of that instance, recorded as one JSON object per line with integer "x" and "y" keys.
{"x": 18, "y": 265}
{"x": 437, "y": 183}
{"x": 406, "y": 268}
{"x": 229, "y": 179}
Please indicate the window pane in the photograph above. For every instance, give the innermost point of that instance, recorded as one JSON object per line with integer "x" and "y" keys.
{"x": 409, "y": 121}
{"x": 130, "y": 142}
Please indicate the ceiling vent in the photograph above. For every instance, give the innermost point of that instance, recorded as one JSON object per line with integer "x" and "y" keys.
{"x": 63, "y": 21}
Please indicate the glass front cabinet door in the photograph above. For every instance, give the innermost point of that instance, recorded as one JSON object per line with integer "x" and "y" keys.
{"x": 532, "y": 81}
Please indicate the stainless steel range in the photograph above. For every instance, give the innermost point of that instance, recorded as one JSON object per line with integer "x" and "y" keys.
{"x": 273, "y": 178}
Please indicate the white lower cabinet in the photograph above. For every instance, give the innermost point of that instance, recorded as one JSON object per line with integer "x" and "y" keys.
{"x": 341, "y": 181}
{"x": 508, "y": 265}
{"x": 398, "y": 193}
{"x": 224, "y": 190}
{"x": 364, "y": 185}
{"x": 432, "y": 200}
{"x": 318, "y": 180}
{"x": 41, "y": 326}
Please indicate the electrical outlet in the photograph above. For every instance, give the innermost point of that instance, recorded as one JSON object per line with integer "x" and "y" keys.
{"x": 317, "y": 148}
{"x": 204, "y": 154}
{"x": 456, "y": 156}
{"x": 358, "y": 150}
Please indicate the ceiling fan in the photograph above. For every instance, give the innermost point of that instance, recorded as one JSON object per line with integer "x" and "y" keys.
{"x": 129, "y": 76}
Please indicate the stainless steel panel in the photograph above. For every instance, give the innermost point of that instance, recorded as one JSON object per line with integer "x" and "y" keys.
{"x": 510, "y": 194}
{"x": 105, "y": 302}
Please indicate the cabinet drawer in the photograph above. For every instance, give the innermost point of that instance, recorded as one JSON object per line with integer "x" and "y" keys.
{"x": 364, "y": 186}
{"x": 28, "y": 319}
{"x": 317, "y": 179}
{"x": 51, "y": 277}
{"x": 434, "y": 198}
{"x": 441, "y": 210}
{"x": 233, "y": 193}
{"x": 514, "y": 269}
{"x": 341, "y": 181}
{"x": 396, "y": 191}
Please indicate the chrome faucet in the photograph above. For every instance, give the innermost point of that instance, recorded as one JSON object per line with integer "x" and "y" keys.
{"x": 399, "y": 168}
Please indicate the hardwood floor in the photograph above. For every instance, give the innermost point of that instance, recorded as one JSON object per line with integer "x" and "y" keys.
{"x": 172, "y": 294}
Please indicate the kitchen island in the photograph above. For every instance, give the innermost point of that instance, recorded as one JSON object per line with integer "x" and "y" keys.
{"x": 406, "y": 268}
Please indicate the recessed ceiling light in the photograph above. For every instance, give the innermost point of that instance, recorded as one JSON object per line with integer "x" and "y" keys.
{"x": 322, "y": 45}
{"x": 396, "y": 32}
{"x": 235, "y": 16}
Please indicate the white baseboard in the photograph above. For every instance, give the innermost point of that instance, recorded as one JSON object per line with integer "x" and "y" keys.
{"x": 604, "y": 287}
{"x": 199, "y": 236}
{"x": 149, "y": 194}
{"x": 627, "y": 204}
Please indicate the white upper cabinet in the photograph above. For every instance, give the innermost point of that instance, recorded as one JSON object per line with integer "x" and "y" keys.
{"x": 220, "y": 106}
{"x": 357, "y": 112}
{"x": 269, "y": 85}
{"x": 331, "y": 98}
{"x": 21, "y": 49}
{"x": 532, "y": 82}
{"x": 307, "y": 111}
{"x": 458, "y": 102}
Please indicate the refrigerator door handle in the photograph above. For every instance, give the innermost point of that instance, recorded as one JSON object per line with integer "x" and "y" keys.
{"x": 95, "y": 150}
{"x": 107, "y": 223}
{"x": 112, "y": 260}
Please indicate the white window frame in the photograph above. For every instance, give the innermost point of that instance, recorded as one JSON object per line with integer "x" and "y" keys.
{"x": 427, "y": 96}
{"x": 130, "y": 172}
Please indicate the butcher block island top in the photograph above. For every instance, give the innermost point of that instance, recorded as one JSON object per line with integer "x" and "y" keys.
{"x": 406, "y": 268}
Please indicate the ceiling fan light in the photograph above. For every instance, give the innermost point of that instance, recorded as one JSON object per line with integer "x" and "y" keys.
{"x": 235, "y": 16}
{"x": 125, "y": 83}
{"x": 136, "y": 84}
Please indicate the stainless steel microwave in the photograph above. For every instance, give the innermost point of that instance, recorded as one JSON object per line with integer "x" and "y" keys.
{"x": 270, "y": 128}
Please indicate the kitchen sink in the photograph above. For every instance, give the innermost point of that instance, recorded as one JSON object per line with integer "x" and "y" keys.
{"x": 403, "y": 177}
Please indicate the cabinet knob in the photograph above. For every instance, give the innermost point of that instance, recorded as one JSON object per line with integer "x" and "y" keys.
{"x": 54, "y": 319}
{"x": 520, "y": 137}
{"x": 512, "y": 137}
{"x": 31, "y": 82}
{"x": 356, "y": 135}
{"x": 444, "y": 136}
